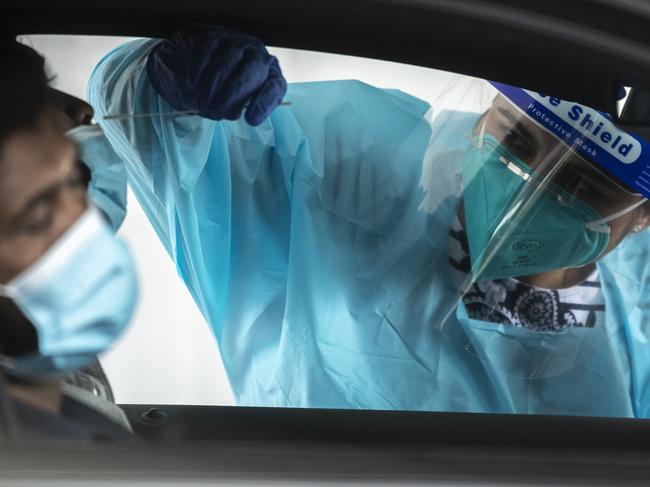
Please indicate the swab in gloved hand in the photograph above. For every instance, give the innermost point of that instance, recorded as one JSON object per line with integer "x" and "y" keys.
{"x": 126, "y": 116}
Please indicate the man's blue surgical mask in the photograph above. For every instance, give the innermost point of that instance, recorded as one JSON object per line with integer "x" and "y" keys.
{"x": 79, "y": 295}
{"x": 107, "y": 187}
{"x": 558, "y": 231}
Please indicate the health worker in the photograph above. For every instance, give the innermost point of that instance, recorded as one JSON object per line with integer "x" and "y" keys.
{"x": 357, "y": 247}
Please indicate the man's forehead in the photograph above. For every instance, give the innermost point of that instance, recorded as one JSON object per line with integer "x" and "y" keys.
{"x": 30, "y": 160}
{"x": 33, "y": 149}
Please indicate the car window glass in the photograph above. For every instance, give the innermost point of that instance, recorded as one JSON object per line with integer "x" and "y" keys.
{"x": 393, "y": 237}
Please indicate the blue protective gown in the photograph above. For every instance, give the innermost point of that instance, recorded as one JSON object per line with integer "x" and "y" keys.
{"x": 304, "y": 243}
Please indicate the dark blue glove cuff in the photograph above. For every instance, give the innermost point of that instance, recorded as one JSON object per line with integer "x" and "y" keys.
{"x": 217, "y": 71}
{"x": 166, "y": 69}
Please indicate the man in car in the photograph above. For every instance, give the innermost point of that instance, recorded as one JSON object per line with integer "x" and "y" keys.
{"x": 67, "y": 284}
{"x": 349, "y": 253}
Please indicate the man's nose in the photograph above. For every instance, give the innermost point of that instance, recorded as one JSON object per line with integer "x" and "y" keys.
{"x": 80, "y": 112}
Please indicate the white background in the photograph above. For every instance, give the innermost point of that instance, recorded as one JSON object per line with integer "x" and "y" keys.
{"x": 168, "y": 355}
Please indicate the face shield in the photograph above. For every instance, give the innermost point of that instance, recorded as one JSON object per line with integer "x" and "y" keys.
{"x": 534, "y": 205}
{"x": 545, "y": 191}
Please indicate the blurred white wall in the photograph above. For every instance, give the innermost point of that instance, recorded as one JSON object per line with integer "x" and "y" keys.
{"x": 169, "y": 355}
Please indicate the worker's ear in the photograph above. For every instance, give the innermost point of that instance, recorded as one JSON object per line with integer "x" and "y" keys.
{"x": 642, "y": 218}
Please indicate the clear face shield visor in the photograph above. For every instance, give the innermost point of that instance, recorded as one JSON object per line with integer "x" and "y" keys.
{"x": 537, "y": 216}
{"x": 527, "y": 191}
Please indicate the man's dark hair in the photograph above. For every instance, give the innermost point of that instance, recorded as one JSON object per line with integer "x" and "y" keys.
{"x": 23, "y": 95}
{"x": 23, "y": 85}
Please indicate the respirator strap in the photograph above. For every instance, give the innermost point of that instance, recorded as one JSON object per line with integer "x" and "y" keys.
{"x": 601, "y": 224}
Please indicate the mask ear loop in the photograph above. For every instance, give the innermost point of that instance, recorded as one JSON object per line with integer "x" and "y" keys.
{"x": 478, "y": 142}
{"x": 481, "y": 134}
{"x": 601, "y": 224}
{"x": 6, "y": 291}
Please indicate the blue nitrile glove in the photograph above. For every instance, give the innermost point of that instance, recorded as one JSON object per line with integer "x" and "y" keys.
{"x": 217, "y": 71}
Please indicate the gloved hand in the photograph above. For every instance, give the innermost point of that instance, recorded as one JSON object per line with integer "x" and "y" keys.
{"x": 217, "y": 71}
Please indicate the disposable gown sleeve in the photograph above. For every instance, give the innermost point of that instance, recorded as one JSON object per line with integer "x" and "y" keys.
{"x": 181, "y": 169}
{"x": 154, "y": 149}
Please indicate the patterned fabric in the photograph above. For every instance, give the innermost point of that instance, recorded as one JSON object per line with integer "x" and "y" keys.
{"x": 511, "y": 302}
